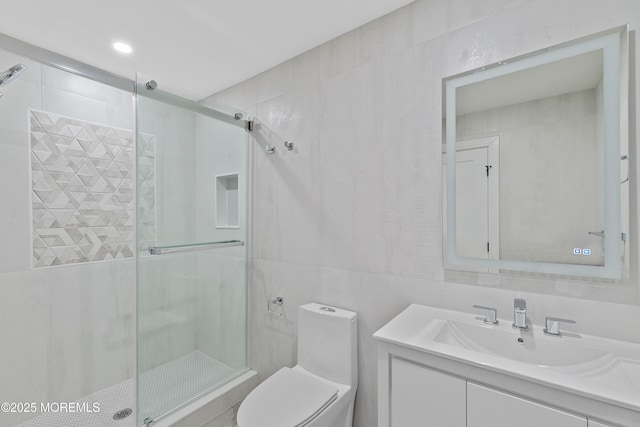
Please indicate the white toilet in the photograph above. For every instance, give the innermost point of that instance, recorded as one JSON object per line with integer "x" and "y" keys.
{"x": 320, "y": 390}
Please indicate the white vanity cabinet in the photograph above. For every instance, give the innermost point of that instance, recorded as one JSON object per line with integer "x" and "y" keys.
{"x": 424, "y": 397}
{"x": 420, "y": 396}
{"x": 442, "y": 368}
{"x": 488, "y": 407}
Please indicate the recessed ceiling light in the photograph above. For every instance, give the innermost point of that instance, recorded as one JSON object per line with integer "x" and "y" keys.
{"x": 122, "y": 47}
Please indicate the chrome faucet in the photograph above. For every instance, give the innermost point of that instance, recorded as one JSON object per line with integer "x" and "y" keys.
{"x": 520, "y": 314}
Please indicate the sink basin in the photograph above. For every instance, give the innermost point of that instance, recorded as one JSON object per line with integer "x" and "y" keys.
{"x": 524, "y": 347}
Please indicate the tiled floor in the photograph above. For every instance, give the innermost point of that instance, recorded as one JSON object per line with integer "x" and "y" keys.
{"x": 161, "y": 389}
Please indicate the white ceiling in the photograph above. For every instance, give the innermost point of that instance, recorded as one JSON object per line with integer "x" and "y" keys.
{"x": 196, "y": 47}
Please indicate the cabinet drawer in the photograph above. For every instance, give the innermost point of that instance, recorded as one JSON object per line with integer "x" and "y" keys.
{"x": 488, "y": 407}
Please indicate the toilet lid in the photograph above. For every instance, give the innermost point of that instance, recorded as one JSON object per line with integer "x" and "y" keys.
{"x": 286, "y": 399}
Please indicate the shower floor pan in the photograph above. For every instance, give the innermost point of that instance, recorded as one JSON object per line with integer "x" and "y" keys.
{"x": 175, "y": 381}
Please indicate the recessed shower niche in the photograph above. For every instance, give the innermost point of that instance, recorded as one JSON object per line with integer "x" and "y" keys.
{"x": 227, "y": 201}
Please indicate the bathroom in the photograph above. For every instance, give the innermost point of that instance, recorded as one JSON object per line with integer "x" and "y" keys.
{"x": 351, "y": 217}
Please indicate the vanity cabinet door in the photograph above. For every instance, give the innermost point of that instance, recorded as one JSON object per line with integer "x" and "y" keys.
{"x": 487, "y": 407}
{"x": 422, "y": 397}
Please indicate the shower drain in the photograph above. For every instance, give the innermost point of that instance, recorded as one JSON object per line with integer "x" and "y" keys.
{"x": 122, "y": 414}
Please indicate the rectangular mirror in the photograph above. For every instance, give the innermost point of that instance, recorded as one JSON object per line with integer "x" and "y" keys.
{"x": 536, "y": 162}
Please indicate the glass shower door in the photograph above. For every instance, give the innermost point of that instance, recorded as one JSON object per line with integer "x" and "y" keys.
{"x": 192, "y": 228}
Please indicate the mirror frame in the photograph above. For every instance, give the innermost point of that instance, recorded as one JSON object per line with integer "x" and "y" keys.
{"x": 615, "y": 46}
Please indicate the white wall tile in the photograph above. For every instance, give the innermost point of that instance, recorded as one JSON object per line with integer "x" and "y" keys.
{"x": 272, "y": 338}
{"x": 25, "y": 312}
{"x": 58, "y": 79}
{"x": 221, "y": 318}
{"x": 591, "y": 16}
{"x": 72, "y": 331}
{"x": 15, "y": 223}
{"x": 462, "y": 13}
{"x": 430, "y": 21}
{"x": 90, "y": 328}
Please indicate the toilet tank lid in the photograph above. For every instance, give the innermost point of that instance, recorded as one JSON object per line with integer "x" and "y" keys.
{"x": 329, "y": 310}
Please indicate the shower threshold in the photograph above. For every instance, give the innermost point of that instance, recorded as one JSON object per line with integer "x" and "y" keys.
{"x": 161, "y": 389}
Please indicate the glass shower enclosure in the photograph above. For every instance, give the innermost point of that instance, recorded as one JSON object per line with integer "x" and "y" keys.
{"x": 191, "y": 190}
{"x": 123, "y": 257}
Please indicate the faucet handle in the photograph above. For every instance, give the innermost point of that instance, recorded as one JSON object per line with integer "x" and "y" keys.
{"x": 552, "y": 325}
{"x": 491, "y": 315}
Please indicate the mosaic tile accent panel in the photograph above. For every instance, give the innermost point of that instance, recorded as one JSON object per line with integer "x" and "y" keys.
{"x": 82, "y": 190}
{"x": 146, "y": 192}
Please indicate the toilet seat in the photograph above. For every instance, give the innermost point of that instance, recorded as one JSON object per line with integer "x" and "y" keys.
{"x": 286, "y": 399}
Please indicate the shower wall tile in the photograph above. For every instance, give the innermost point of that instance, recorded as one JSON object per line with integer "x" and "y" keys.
{"x": 221, "y": 274}
{"x": 175, "y": 183}
{"x": 82, "y": 190}
{"x": 221, "y": 307}
{"x": 72, "y": 332}
{"x": 16, "y": 99}
{"x": 91, "y": 324}
{"x": 85, "y": 99}
{"x": 15, "y": 251}
{"x": 215, "y": 156}
{"x": 73, "y": 105}
{"x": 54, "y": 78}
{"x": 167, "y": 304}
{"x": 24, "y": 306}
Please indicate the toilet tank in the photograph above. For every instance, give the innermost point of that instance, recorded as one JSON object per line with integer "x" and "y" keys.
{"x": 328, "y": 342}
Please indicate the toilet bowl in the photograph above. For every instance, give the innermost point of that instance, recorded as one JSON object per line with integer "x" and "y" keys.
{"x": 320, "y": 390}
